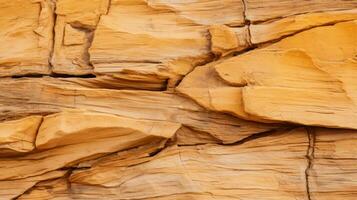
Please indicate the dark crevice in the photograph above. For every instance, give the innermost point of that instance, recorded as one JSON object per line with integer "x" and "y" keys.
{"x": 56, "y": 75}
{"x": 310, "y": 157}
{"x": 251, "y": 137}
{"x": 71, "y": 168}
{"x": 247, "y": 22}
{"x": 53, "y": 34}
{"x": 260, "y": 135}
{"x": 27, "y": 76}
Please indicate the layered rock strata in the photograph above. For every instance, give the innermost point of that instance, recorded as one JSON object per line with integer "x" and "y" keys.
{"x": 166, "y": 99}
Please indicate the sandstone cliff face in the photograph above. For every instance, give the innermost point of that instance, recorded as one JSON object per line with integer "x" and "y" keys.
{"x": 171, "y": 99}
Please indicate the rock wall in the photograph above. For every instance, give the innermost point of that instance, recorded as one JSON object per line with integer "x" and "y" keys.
{"x": 178, "y": 99}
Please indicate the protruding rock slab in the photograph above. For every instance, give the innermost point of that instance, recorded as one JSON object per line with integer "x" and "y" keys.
{"x": 205, "y": 87}
{"x": 272, "y": 166}
{"x": 49, "y": 95}
{"x": 258, "y": 10}
{"x": 309, "y": 78}
{"x": 276, "y": 29}
{"x": 79, "y": 127}
{"x": 67, "y": 138}
{"x": 19, "y": 135}
{"x": 25, "y": 37}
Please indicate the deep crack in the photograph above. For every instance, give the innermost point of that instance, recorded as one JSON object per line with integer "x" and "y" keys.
{"x": 310, "y": 157}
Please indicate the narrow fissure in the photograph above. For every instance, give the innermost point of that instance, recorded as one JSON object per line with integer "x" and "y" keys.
{"x": 53, "y": 34}
{"x": 310, "y": 157}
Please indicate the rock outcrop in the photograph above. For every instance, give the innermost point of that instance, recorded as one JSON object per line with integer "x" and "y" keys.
{"x": 169, "y": 99}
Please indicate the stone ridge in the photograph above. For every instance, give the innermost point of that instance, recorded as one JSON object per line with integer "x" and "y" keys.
{"x": 178, "y": 99}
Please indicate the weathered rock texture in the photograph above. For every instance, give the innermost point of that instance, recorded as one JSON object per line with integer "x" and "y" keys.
{"x": 178, "y": 99}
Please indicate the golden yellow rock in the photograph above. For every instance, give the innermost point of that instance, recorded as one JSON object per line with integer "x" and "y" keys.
{"x": 258, "y": 11}
{"x": 19, "y": 135}
{"x": 73, "y": 36}
{"x": 333, "y": 173}
{"x": 178, "y": 99}
{"x": 250, "y": 171}
{"x": 298, "y": 80}
{"x": 13, "y": 189}
{"x": 79, "y": 127}
{"x": 205, "y": 87}
{"x": 75, "y": 24}
{"x": 70, "y": 137}
{"x": 50, "y": 95}
{"x": 277, "y": 29}
{"x": 228, "y": 12}
{"x": 25, "y": 37}
{"x": 144, "y": 43}
{"x": 225, "y": 40}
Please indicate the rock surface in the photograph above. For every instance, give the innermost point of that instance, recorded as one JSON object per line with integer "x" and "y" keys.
{"x": 19, "y": 135}
{"x": 299, "y": 80}
{"x": 26, "y": 37}
{"x": 169, "y": 99}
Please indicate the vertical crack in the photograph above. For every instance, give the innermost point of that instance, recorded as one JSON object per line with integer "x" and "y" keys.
{"x": 54, "y": 18}
{"x": 247, "y": 21}
{"x": 310, "y": 157}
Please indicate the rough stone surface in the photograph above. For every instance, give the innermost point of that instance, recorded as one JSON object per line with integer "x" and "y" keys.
{"x": 178, "y": 99}
{"x": 19, "y": 135}
{"x": 300, "y": 77}
{"x": 26, "y": 37}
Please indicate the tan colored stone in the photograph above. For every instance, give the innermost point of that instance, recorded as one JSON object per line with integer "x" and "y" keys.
{"x": 25, "y": 37}
{"x": 247, "y": 171}
{"x": 84, "y": 13}
{"x": 207, "y": 12}
{"x": 159, "y": 37}
{"x": 277, "y": 29}
{"x": 73, "y": 36}
{"x": 19, "y": 135}
{"x": 79, "y": 127}
{"x": 178, "y": 99}
{"x": 291, "y": 105}
{"x": 258, "y": 10}
{"x": 12, "y": 189}
{"x": 117, "y": 44}
{"x": 333, "y": 173}
{"x": 48, "y": 190}
{"x": 126, "y": 80}
{"x": 63, "y": 145}
{"x": 225, "y": 40}
{"x": 205, "y": 87}
{"x": 187, "y": 136}
{"x": 295, "y": 81}
{"x": 50, "y": 95}
{"x": 75, "y": 24}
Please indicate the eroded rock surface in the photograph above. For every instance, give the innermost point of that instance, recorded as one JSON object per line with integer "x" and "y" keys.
{"x": 171, "y": 99}
{"x": 19, "y": 135}
{"x": 297, "y": 79}
{"x": 26, "y": 37}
